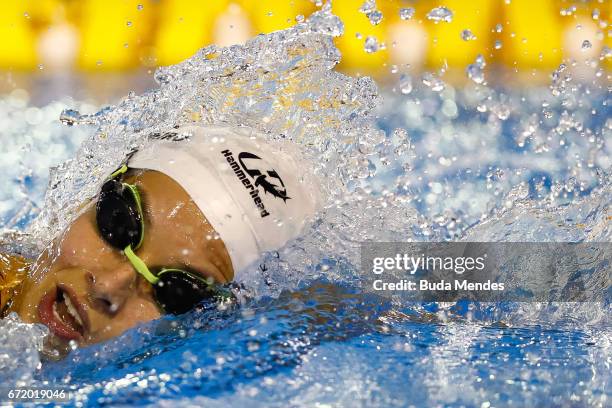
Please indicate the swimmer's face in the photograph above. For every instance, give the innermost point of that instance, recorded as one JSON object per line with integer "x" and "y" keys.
{"x": 85, "y": 290}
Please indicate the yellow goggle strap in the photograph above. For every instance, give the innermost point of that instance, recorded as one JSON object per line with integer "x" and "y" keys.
{"x": 140, "y": 266}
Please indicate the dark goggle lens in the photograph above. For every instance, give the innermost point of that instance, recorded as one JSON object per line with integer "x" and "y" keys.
{"x": 118, "y": 217}
{"x": 178, "y": 292}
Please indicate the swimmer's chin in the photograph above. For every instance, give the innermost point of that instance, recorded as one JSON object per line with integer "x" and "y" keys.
{"x": 56, "y": 348}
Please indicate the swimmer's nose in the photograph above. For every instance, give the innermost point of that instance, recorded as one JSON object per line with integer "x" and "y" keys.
{"x": 110, "y": 289}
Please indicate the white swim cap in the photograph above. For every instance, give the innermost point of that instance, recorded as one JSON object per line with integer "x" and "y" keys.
{"x": 255, "y": 193}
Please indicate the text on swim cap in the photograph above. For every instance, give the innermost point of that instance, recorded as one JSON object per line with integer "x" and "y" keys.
{"x": 253, "y": 192}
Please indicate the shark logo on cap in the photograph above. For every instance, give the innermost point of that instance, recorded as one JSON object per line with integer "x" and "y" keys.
{"x": 261, "y": 179}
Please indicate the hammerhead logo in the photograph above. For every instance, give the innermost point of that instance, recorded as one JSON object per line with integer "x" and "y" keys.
{"x": 261, "y": 179}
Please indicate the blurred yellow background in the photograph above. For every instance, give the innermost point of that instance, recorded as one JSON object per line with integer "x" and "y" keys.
{"x": 127, "y": 35}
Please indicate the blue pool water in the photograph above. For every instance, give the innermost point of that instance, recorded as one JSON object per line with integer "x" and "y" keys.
{"x": 472, "y": 163}
{"x": 329, "y": 343}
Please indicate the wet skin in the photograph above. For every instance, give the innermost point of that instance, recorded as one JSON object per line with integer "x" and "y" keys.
{"x": 101, "y": 284}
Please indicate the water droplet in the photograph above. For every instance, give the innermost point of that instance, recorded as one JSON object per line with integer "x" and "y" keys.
{"x": 586, "y": 44}
{"x": 433, "y": 82}
{"x": 568, "y": 11}
{"x": 299, "y": 18}
{"x": 498, "y": 44}
{"x": 70, "y": 117}
{"x": 480, "y": 61}
{"x": 467, "y": 35}
{"x": 406, "y": 13}
{"x": 444, "y": 161}
{"x": 405, "y": 84}
{"x": 501, "y": 111}
{"x": 368, "y": 6}
{"x": 440, "y": 14}
{"x": 371, "y": 44}
{"x": 140, "y": 7}
{"x": 375, "y": 17}
{"x": 475, "y": 71}
{"x": 595, "y": 14}
{"x": 26, "y": 15}
{"x": 41, "y": 66}
{"x": 499, "y": 28}
{"x": 129, "y": 23}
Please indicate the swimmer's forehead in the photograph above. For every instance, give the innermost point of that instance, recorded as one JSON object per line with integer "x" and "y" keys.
{"x": 155, "y": 186}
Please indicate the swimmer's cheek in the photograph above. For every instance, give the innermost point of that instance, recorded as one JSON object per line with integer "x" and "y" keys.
{"x": 134, "y": 313}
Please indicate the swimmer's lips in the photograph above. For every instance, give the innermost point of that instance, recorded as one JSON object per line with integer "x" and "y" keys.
{"x": 61, "y": 322}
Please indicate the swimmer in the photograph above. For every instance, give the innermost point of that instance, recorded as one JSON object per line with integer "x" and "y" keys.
{"x": 175, "y": 222}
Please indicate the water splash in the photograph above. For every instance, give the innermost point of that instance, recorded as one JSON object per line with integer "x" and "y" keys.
{"x": 19, "y": 356}
{"x": 234, "y": 87}
{"x": 476, "y": 163}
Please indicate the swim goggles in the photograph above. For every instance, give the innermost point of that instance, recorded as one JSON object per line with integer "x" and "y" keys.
{"x": 119, "y": 217}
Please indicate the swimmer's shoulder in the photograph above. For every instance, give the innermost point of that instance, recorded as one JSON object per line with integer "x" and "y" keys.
{"x": 13, "y": 269}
